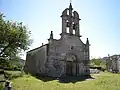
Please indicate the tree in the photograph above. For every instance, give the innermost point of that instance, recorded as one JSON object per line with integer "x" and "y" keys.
{"x": 14, "y": 37}
{"x": 98, "y": 63}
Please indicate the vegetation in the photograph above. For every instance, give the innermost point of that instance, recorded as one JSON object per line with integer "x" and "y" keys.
{"x": 104, "y": 81}
{"x": 14, "y": 38}
{"x": 98, "y": 63}
{"x": 14, "y": 74}
{"x": 11, "y": 64}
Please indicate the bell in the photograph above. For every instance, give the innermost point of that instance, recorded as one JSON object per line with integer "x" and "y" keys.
{"x": 68, "y": 24}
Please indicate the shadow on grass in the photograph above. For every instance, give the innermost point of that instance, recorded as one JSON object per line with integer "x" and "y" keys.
{"x": 66, "y": 79}
{"x": 45, "y": 78}
{"x": 74, "y": 79}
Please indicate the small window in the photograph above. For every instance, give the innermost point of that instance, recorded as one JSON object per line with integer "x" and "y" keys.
{"x": 73, "y": 31}
{"x": 67, "y": 29}
{"x": 67, "y": 12}
{"x": 71, "y": 47}
{"x": 67, "y": 23}
{"x": 73, "y": 25}
{"x": 72, "y": 14}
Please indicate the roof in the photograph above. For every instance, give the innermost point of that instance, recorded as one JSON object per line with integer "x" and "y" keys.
{"x": 37, "y": 48}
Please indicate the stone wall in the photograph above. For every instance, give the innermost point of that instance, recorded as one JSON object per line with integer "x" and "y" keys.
{"x": 35, "y": 60}
{"x": 118, "y": 64}
{"x": 59, "y": 49}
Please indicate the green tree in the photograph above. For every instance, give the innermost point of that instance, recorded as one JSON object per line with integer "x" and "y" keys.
{"x": 98, "y": 63}
{"x": 14, "y": 38}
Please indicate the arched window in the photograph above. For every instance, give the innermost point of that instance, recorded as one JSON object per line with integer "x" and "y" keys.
{"x": 72, "y": 14}
{"x": 73, "y": 31}
{"x": 73, "y": 24}
{"x": 67, "y": 12}
{"x": 67, "y": 23}
{"x": 67, "y": 28}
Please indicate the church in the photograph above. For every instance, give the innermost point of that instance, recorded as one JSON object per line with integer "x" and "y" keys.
{"x": 67, "y": 56}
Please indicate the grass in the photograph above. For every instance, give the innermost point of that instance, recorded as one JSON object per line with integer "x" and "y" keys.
{"x": 104, "y": 81}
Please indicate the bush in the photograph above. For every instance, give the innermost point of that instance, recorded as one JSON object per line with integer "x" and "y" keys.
{"x": 14, "y": 74}
{"x": 98, "y": 63}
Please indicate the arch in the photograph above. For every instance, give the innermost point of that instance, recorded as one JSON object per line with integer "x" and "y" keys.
{"x": 76, "y": 15}
{"x": 73, "y": 31}
{"x": 67, "y": 29}
{"x": 71, "y": 57}
{"x": 71, "y": 66}
{"x": 64, "y": 13}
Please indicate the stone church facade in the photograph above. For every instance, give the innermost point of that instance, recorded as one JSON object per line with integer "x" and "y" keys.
{"x": 68, "y": 56}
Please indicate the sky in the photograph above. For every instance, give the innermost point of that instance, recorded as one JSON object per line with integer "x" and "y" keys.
{"x": 100, "y": 21}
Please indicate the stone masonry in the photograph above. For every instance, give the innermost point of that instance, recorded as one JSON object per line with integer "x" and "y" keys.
{"x": 68, "y": 56}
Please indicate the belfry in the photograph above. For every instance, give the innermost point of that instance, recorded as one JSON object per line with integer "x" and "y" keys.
{"x": 70, "y": 21}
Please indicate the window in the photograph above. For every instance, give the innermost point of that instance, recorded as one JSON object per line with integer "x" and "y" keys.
{"x": 66, "y": 20}
{"x": 72, "y": 14}
{"x": 67, "y": 23}
{"x": 74, "y": 26}
{"x": 67, "y": 29}
{"x": 73, "y": 31}
{"x": 67, "y": 12}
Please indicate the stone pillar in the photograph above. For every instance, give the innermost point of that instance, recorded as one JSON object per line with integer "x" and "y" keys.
{"x": 64, "y": 24}
{"x": 76, "y": 23}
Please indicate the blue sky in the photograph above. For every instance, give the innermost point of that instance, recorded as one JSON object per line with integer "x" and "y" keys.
{"x": 100, "y": 21}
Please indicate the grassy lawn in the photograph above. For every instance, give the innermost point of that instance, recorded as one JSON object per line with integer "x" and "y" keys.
{"x": 104, "y": 81}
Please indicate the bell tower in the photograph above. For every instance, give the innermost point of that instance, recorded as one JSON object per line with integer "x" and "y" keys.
{"x": 70, "y": 22}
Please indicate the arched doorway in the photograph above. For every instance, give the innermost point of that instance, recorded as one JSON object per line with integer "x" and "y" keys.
{"x": 70, "y": 65}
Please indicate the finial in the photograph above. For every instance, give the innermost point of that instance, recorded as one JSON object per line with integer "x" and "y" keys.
{"x": 51, "y": 35}
{"x": 70, "y": 6}
{"x": 87, "y": 42}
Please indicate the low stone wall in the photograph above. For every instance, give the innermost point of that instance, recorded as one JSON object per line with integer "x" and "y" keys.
{"x": 94, "y": 71}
